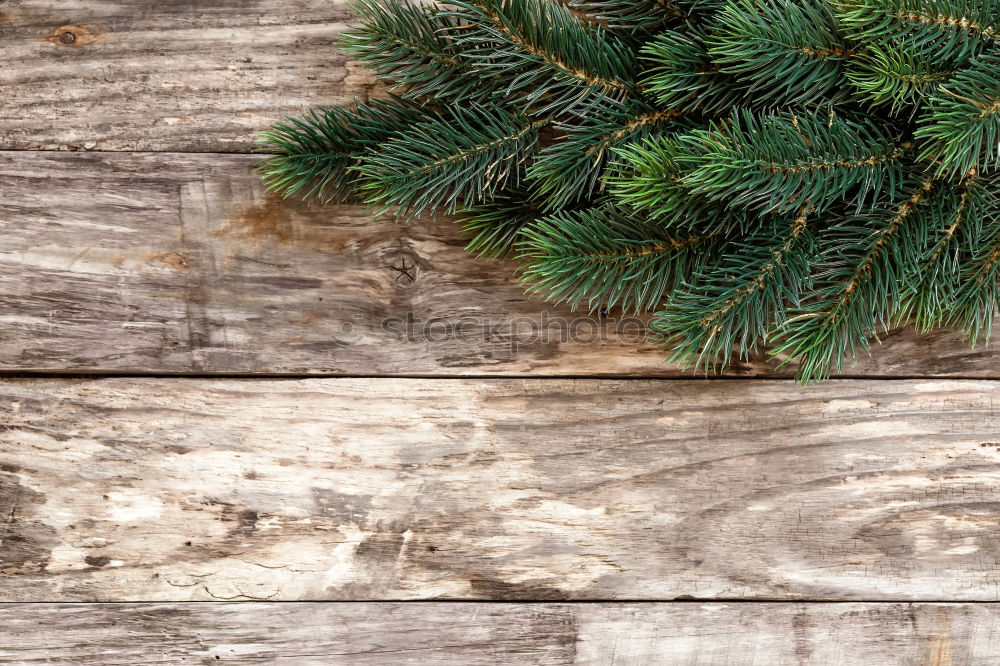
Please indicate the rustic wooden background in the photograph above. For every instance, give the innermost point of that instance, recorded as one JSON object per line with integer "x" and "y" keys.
{"x": 201, "y": 401}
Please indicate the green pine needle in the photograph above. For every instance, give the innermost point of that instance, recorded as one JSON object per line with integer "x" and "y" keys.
{"x": 962, "y": 122}
{"x": 864, "y": 261}
{"x": 975, "y": 305}
{"x": 549, "y": 59}
{"x": 463, "y": 155}
{"x": 898, "y": 79}
{"x": 569, "y": 170}
{"x": 630, "y": 16}
{"x": 647, "y": 178}
{"x": 605, "y": 258}
{"x": 314, "y": 155}
{"x": 947, "y": 29}
{"x": 954, "y": 216}
{"x": 735, "y": 302}
{"x": 497, "y": 227}
{"x": 786, "y": 53}
{"x": 412, "y": 45}
{"x": 779, "y": 162}
{"x": 683, "y": 75}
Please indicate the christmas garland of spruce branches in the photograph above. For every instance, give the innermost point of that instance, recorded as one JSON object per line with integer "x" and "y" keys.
{"x": 800, "y": 174}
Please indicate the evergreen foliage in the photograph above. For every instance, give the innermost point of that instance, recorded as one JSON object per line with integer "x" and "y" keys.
{"x": 465, "y": 154}
{"x": 408, "y": 47}
{"x": 715, "y": 313}
{"x": 608, "y": 258}
{"x": 795, "y": 176}
{"x": 783, "y": 53}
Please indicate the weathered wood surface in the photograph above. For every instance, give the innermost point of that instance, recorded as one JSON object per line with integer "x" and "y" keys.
{"x": 472, "y": 634}
{"x": 178, "y": 490}
{"x": 323, "y": 489}
{"x": 180, "y": 263}
{"x": 166, "y": 75}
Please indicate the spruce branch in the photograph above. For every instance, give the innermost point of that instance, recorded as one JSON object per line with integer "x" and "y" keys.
{"x": 736, "y": 301}
{"x": 962, "y": 123}
{"x": 895, "y": 78}
{"x": 569, "y": 170}
{"x": 682, "y": 75}
{"x": 411, "y": 45}
{"x": 497, "y": 226}
{"x": 313, "y": 155}
{"x": 633, "y": 17}
{"x": 952, "y": 29}
{"x": 746, "y": 173}
{"x": 701, "y": 11}
{"x": 864, "y": 261}
{"x": 953, "y": 217}
{"x": 974, "y": 305}
{"x": 776, "y": 162}
{"x": 460, "y": 156}
{"x": 786, "y": 53}
{"x": 647, "y": 179}
{"x": 550, "y": 60}
{"x": 607, "y": 258}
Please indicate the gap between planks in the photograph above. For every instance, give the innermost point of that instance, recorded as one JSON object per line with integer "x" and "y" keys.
{"x": 90, "y": 374}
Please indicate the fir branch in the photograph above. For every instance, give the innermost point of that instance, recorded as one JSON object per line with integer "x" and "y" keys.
{"x": 737, "y": 300}
{"x": 930, "y": 286}
{"x": 549, "y": 59}
{"x": 719, "y": 215}
{"x": 777, "y": 162}
{"x": 461, "y": 156}
{"x": 569, "y": 170}
{"x": 633, "y": 17}
{"x": 606, "y": 258}
{"x": 683, "y": 76}
{"x": 647, "y": 179}
{"x": 895, "y": 78}
{"x": 952, "y": 29}
{"x": 786, "y": 53}
{"x": 314, "y": 155}
{"x": 864, "y": 263}
{"x": 411, "y": 45}
{"x": 962, "y": 123}
{"x": 702, "y": 11}
{"x": 498, "y": 226}
{"x": 974, "y": 305}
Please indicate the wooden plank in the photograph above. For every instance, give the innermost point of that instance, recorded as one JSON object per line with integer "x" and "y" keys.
{"x": 156, "y": 75}
{"x": 471, "y": 634}
{"x": 180, "y": 263}
{"x": 386, "y": 489}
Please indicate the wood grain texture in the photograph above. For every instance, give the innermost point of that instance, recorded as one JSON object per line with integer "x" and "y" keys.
{"x": 166, "y": 75}
{"x": 476, "y": 634}
{"x": 381, "y": 489}
{"x": 167, "y": 263}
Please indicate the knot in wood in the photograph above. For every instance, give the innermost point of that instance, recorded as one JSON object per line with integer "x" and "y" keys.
{"x": 404, "y": 269}
{"x": 74, "y": 36}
